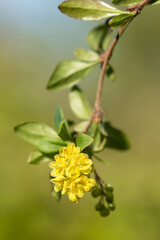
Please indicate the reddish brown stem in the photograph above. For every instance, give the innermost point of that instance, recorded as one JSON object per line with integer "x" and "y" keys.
{"x": 97, "y": 114}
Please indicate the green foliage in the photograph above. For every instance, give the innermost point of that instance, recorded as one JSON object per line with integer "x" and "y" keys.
{"x": 95, "y": 133}
{"x": 132, "y": 2}
{"x": 37, "y": 157}
{"x": 155, "y": 2}
{"x": 115, "y": 137}
{"x": 121, "y": 19}
{"x": 125, "y": 2}
{"x": 88, "y": 10}
{"x": 87, "y": 55}
{"x": 48, "y": 146}
{"x": 79, "y": 103}
{"x": 91, "y": 131}
{"x": 83, "y": 141}
{"x": 61, "y": 125}
{"x": 99, "y": 38}
{"x": 69, "y": 73}
{"x": 80, "y": 127}
{"x": 99, "y": 141}
{"x": 110, "y": 73}
{"x": 33, "y": 132}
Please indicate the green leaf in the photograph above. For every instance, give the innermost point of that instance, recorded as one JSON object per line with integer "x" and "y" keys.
{"x": 83, "y": 141}
{"x": 125, "y": 2}
{"x": 101, "y": 145}
{"x": 132, "y": 2}
{"x": 48, "y": 146}
{"x": 102, "y": 129}
{"x": 99, "y": 38}
{"x": 57, "y": 195}
{"x": 61, "y": 125}
{"x": 121, "y": 19}
{"x": 88, "y": 10}
{"x": 79, "y": 104}
{"x": 116, "y": 138}
{"x": 91, "y": 131}
{"x": 37, "y": 157}
{"x": 80, "y": 126}
{"x": 69, "y": 73}
{"x": 87, "y": 55}
{"x": 99, "y": 141}
{"x": 33, "y": 132}
{"x": 110, "y": 72}
{"x": 154, "y": 2}
{"x": 64, "y": 131}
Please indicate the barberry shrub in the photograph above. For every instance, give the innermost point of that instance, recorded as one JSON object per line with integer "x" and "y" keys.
{"x": 71, "y": 149}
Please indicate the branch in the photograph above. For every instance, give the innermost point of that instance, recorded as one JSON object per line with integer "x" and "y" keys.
{"x": 97, "y": 114}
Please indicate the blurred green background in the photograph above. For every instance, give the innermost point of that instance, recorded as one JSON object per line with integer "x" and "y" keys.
{"x": 34, "y": 37}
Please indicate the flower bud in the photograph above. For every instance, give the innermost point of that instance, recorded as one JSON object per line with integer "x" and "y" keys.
{"x": 109, "y": 188}
{"x": 99, "y": 206}
{"x": 104, "y": 212}
{"x": 109, "y": 197}
{"x": 96, "y": 192}
{"x": 112, "y": 206}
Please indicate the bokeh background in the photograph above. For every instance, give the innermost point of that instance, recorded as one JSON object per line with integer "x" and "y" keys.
{"x": 34, "y": 37}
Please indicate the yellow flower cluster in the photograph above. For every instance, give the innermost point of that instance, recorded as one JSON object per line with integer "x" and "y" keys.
{"x": 71, "y": 171}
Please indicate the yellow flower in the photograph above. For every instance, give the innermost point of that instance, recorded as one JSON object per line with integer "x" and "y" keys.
{"x": 78, "y": 187}
{"x": 73, "y": 172}
{"x": 83, "y": 163}
{"x": 70, "y": 151}
{"x": 59, "y": 182}
{"x": 58, "y": 166}
{"x": 70, "y": 162}
{"x": 69, "y": 171}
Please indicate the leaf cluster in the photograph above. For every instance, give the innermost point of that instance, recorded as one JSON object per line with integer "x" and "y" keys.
{"x": 96, "y": 136}
{"x": 48, "y": 141}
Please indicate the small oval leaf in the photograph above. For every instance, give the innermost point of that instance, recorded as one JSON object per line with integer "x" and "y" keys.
{"x": 99, "y": 38}
{"x": 80, "y": 126}
{"x": 61, "y": 125}
{"x": 133, "y": 2}
{"x": 115, "y": 137}
{"x": 121, "y": 19}
{"x": 83, "y": 141}
{"x": 125, "y": 2}
{"x": 37, "y": 157}
{"x": 48, "y": 146}
{"x": 88, "y": 10}
{"x": 32, "y": 132}
{"x": 69, "y": 73}
{"x": 87, "y": 55}
{"x": 79, "y": 104}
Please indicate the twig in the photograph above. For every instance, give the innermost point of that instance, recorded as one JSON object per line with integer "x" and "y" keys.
{"x": 97, "y": 114}
{"x": 99, "y": 180}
